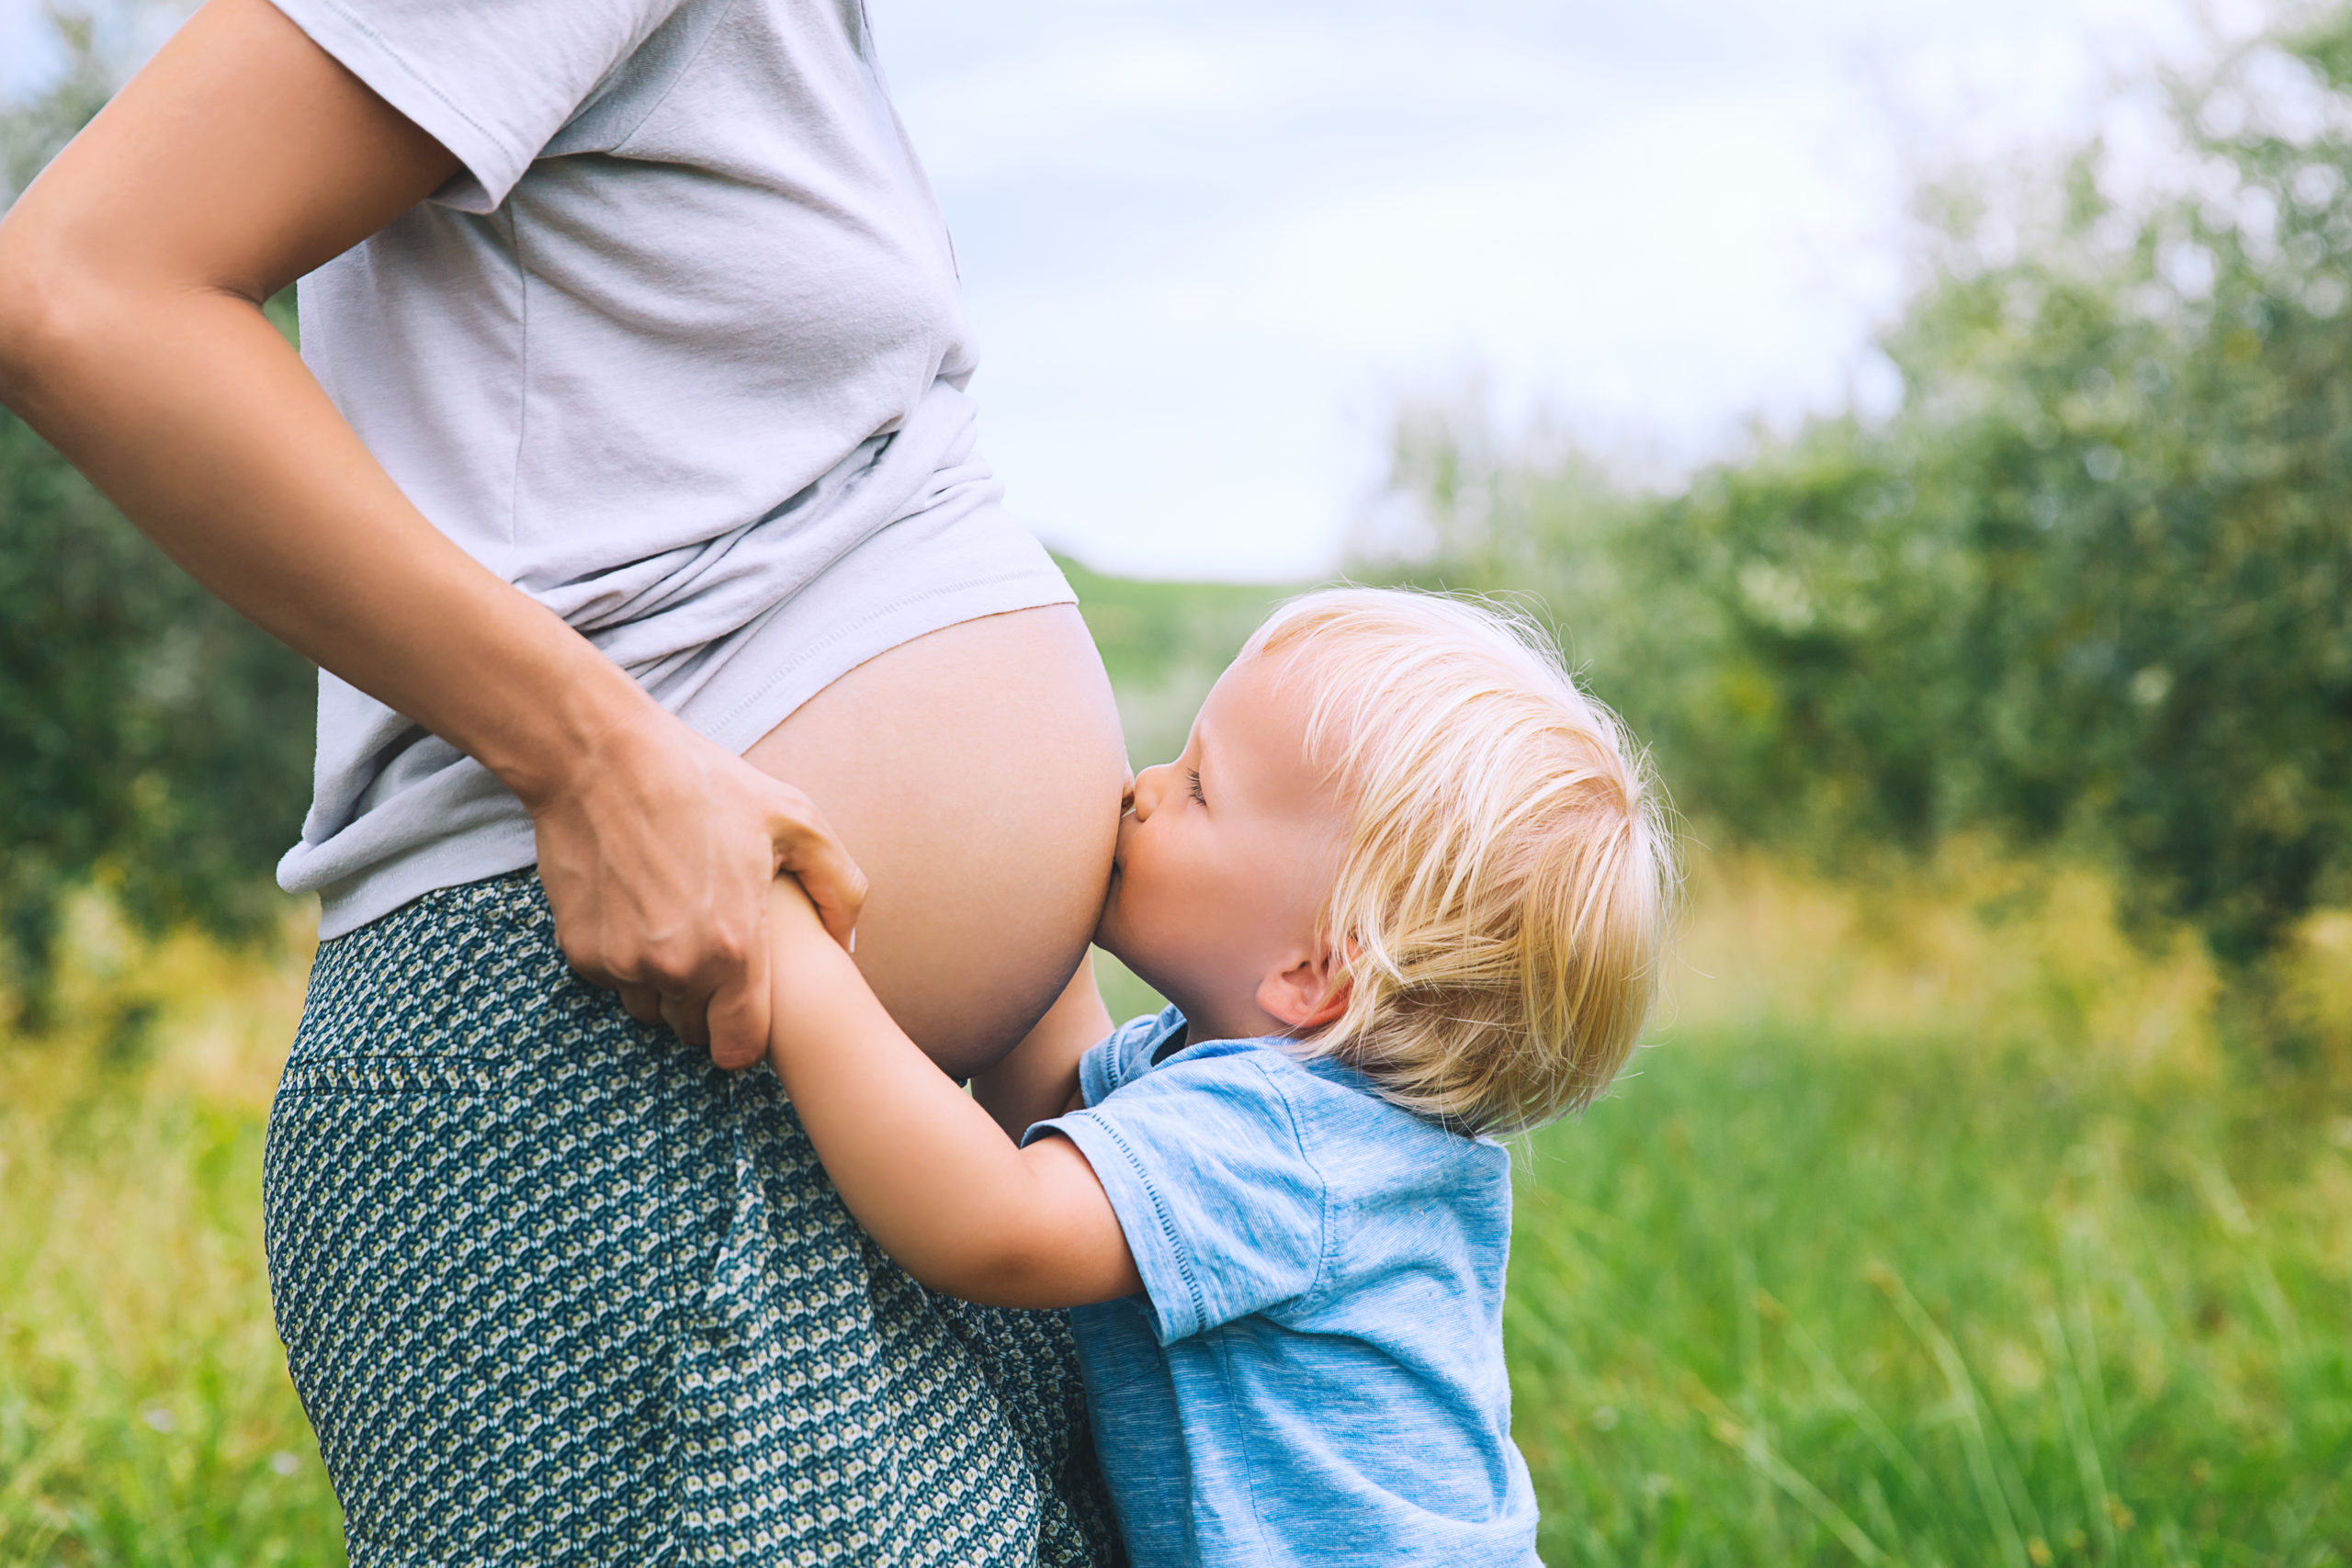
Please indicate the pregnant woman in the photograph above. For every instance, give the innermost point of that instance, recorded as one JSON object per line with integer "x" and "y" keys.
{"x": 625, "y": 473}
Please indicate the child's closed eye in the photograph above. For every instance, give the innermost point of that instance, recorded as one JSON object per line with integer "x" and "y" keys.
{"x": 1194, "y": 774}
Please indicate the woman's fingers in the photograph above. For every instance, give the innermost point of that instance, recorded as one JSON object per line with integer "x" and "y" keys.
{"x": 737, "y": 1016}
{"x": 804, "y": 847}
{"x": 688, "y": 1018}
{"x": 807, "y": 846}
{"x": 658, "y": 858}
{"x": 643, "y": 1002}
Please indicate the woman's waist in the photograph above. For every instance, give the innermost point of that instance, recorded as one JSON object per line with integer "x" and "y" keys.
{"x": 398, "y": 812}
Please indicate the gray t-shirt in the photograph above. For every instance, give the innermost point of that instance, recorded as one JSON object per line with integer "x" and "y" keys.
{"x": 679, "y": 353}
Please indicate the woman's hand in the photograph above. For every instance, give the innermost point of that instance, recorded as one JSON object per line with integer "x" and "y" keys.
{"x": 657, "y": 850}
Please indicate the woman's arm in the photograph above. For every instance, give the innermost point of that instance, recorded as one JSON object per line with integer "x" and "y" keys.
{"x": 132, "y": 275}
{"x": 919, "y": 1162}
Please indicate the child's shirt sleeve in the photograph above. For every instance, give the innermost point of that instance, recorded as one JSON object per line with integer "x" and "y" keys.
{"x": 1204, "y": 1163}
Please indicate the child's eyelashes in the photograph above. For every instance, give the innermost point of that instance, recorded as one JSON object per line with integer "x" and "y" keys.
{"x": 1194, "y": 776}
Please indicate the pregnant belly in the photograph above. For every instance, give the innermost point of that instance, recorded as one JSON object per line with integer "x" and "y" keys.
{"x": 976, "y": 775}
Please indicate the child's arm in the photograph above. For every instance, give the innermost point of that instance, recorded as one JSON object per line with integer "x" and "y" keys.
{"x": 919, "y": 1162}
{"x": 1039, "y": 1080}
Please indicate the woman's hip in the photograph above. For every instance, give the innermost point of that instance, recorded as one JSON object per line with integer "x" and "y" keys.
{"x": 553, "y": 1289}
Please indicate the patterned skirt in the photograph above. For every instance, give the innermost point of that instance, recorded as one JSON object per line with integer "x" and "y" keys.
{"x": 554, "y": 1291}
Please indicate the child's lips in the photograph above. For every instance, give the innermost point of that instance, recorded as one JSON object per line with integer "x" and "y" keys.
{"x": 1119, "y": 846}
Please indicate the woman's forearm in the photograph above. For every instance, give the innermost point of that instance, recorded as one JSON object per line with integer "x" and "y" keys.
{"x": 925, "y": 1170}
{"x": 197, "y": 419}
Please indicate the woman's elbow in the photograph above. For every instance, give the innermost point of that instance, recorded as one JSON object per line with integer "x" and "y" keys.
{"x": 46, "y": 308}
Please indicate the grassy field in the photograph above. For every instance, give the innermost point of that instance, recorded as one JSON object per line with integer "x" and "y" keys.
{"x": 1938, "y": 1227}
{"x": 145, "y": 1416}
{"x": 1875, "y": 1265}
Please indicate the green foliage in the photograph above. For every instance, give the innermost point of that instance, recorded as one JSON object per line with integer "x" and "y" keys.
{"x": 2091, "y": 582}
{"x": 149, "y": 738}
{"x": 145, "y": 1415}
{"x": 31, "y": 133}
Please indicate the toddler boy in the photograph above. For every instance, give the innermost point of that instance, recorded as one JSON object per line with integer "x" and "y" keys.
{"x": 1405, "y": 892}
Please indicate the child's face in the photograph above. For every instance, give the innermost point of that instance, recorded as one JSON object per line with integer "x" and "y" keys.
{"x": 1224, "y": 863}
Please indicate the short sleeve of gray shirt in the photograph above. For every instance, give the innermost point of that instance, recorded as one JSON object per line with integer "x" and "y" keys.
{"x": 494, "y": 82}
{"x": 679, "y": 352}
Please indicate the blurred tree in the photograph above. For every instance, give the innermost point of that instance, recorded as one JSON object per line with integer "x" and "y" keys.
{"x": 149, "y": 740}
{"x": 2091, "y": 580}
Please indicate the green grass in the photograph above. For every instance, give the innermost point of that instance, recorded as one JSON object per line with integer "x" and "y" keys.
{"x": 144, "y": 1412}
{"x": 145, "y": 1415}
{"x": 1789, "y": 1299}
{"x": 1782, "y": 1298}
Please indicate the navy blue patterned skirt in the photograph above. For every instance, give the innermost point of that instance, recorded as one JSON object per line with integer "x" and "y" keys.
{"x": 554, "y": 1291}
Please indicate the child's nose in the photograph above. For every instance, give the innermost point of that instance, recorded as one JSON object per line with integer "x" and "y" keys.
{"x": 1143, "y": 793}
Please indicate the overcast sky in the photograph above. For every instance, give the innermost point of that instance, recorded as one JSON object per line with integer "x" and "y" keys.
{"x": 1208, "y": 246}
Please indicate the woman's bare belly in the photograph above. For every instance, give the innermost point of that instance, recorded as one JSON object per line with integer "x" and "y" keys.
{"x": 975, "y": 774}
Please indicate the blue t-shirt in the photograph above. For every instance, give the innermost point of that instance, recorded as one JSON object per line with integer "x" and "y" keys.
{"x": 1314, "y": 1373}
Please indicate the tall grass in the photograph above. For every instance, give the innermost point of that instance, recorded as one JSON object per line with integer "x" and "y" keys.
{"x": 145, "y": 1415}
{"x": 1796, "y": 1300}
{"x": 1938, "y": 1227}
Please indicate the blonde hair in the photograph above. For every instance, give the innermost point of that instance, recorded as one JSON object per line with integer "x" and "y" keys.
{"x": 1502, "y": 904}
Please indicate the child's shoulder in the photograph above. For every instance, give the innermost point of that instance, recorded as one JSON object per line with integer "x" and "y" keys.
{"x": 1151, "y": 1057}
{"x": 1342, "y": 1124}
{"x": 1250, "y": 1177}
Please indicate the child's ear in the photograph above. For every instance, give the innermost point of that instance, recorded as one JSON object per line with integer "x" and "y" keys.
{"x": 1309, "y": 994}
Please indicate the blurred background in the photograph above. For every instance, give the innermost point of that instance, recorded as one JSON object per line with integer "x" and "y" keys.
{"x": 1929, "y": 422}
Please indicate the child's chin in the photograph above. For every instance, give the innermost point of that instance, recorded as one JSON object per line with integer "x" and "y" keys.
{"x": 1113, "y": 938}
{"x": 1109, "y": 928}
